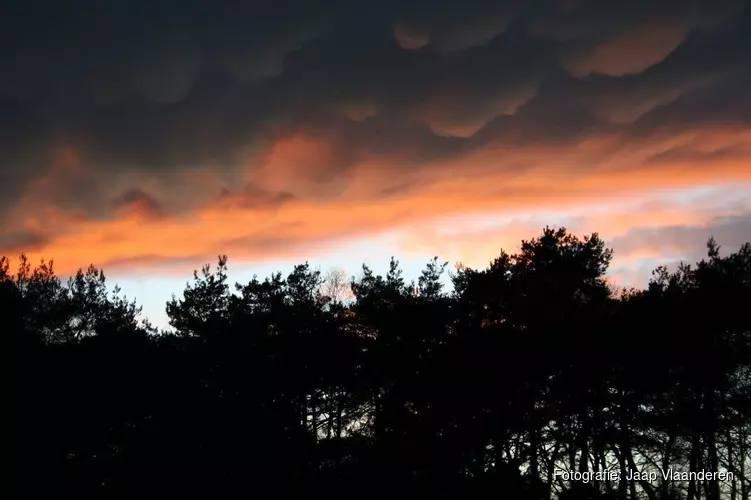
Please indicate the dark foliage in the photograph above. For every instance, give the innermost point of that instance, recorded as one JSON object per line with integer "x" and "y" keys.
{"x": 532, "y": 367}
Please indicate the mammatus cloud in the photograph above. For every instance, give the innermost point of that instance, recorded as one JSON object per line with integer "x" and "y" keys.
{"x": 446, "y": 29}
{"x": 137, "y": 132}
{"x": 137, "y": 204}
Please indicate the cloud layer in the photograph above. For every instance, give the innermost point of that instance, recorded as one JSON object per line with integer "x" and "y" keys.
{"x": 155, "y": 131}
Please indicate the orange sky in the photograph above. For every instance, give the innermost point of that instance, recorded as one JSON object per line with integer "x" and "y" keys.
{"x": 258, "y": 226}
{"x": 417, "y": 129}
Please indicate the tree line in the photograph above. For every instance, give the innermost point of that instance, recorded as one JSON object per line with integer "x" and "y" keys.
{"x": 523, "y": 374}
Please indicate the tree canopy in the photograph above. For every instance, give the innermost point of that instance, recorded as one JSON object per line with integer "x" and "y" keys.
{"x": 525, "y": 372}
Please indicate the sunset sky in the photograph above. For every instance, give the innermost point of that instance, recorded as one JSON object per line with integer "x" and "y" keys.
{"x": 148, "y": 136}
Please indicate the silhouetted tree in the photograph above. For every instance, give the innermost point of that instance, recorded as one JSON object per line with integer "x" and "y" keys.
{"x": 524, "y": 371}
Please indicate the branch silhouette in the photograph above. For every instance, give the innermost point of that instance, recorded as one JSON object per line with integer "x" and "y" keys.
{"x": 530, "y": 379}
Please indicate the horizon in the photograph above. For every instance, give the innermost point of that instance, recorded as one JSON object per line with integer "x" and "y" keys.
{"x": 150, "y": 137}
{"x": 152, "y": 293}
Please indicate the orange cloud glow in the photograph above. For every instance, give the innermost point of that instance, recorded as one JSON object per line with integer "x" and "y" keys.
{"x": 564, "y": 179}
{"x": 448, "y": 129}
{"x": 627, "y": 53}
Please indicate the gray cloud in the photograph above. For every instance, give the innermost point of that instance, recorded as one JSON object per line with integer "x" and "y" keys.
{"x": 730, "y": 232}
{"x": 143, "y": 204}
{"x": 675, "y": 245}
{"x": 19, "y": 241}
{"x": 161, "y": 87}
{"x": 253, "y": 197}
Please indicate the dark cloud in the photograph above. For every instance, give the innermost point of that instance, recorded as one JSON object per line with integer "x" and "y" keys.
{"x": 162, "y": 87}
{"x": 253, "y": 197}
{"x": 688, "y": 242}
{"x": 642, "y": 249}
{"x": 727, "y": 102}
{"x": 138, "y": 203}
{"x": 626, "y": 38}
{"x": 689, "y": 155}
{"x": 440, "y": 26}
{"x": 19, "y": 241}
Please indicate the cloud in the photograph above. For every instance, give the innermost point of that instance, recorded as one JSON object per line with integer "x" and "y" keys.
{"x": 20, "y": 241}
{"x": 656, "y": 228}
{"x": 137, "y": 204}
{"x": 156, "y": 131}
{"x": 685, "y": 240}
{"x": 423, "y": 24}
{"x": 596, "y": 38}
{"x": 626, "y": 54}
{"x": 251, "y": 197}
{"x": 410, "y": 38}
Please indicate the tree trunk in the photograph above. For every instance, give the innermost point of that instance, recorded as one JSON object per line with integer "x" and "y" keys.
{"x": 742, "y": 442}
{"x": 498, "y": 453}
{"x": 622, "y": 482}
{"x": 379, "y": 423}
{"x": 534, "y": 466}
{"x": 646, "y": 485}
{"x": 330, "y": 419}
{"x": 339, "y": 411}
{"x": 584, "y": 443}
{"x": 627, "y": 463}
{"x": 551, "y": 469}
{"x": 572, "y": 446}
{"x": 478, "y": 465}
{"x": 664, "y": 490}
{"x": 704, "y": 484}
{"x": 314, "y": 415}
{"x": 731, "y": 466}
{"x": 595, "y": 461}
{"x": 604, "y": 466}
{"x": 692, "y": 493}
{"x": 302, "y": 407}
{"x": 713, "y": 492}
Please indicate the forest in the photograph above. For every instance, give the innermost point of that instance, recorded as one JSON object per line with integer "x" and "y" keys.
{"x": 314, "y": 384}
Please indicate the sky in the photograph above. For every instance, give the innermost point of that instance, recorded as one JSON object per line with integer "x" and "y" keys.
{"x": 149, "y": 136}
